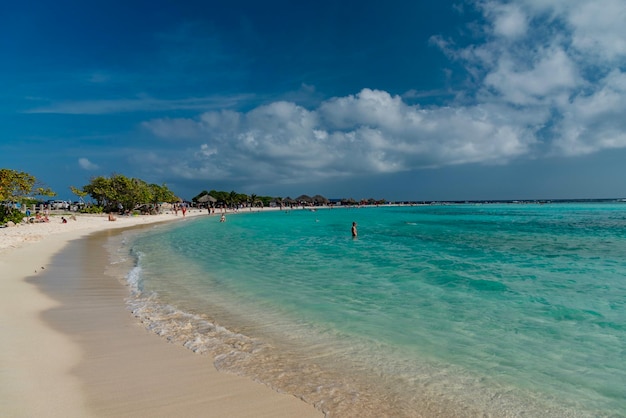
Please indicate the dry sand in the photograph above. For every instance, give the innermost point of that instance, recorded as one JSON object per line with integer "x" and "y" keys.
{"x": 69, "y": 348}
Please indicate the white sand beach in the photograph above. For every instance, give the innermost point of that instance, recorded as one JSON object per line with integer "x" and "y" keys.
{"x": 116, "y": 368}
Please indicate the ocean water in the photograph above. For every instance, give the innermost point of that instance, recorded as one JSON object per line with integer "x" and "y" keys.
{"x": 495, "y": 310}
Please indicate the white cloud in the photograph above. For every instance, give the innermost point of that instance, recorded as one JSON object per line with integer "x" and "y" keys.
{"x": 548, "y": 80}
{"x": 173, "y": 128}
{"x": 509, "y": 20}
{"x": 595, "y": 121}
{"x": 598, "y": 28}
{"x": 371, "y": 132}
{"x": 85, "y": 164}
{"x": 552, "y": 73}
{"x": 559, "y": 58}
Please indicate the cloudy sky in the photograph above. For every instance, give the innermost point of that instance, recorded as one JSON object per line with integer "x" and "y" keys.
{"x": 411, "y": 100}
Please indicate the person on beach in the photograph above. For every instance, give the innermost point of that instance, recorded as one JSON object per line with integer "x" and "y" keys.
{"x": 111, "y": 217}
{"x": 63, "y": 220}
{"x": 354, "y": 232}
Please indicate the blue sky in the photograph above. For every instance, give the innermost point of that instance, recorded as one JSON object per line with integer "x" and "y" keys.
{"x": 402, "y": 100}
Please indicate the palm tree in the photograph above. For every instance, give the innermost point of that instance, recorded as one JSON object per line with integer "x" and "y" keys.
{"x": 232, "y": 198}
{"x": 253, "y": 199}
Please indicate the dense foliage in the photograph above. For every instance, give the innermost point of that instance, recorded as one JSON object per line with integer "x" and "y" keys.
{"x": 234, "y": 199}
{"x": 91, "y": 209}
{"x": 9, "y": 214}
{"x": 18, "y": 187}
{"x": 120, "y": 193}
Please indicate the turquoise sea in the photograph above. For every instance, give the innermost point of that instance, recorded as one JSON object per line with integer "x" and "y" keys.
{"x": 501, "y": 310}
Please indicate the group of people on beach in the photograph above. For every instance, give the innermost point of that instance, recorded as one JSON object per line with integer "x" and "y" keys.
{"x": 182, "y": 207}
{"x": 39, "y": 217}
{"x": 42, "y": 217}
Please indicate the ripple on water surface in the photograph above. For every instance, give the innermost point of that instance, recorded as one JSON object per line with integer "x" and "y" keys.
{"x": 505, "y": 310}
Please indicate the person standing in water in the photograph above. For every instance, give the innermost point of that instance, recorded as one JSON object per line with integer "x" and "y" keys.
{"x": 354, "y": 232}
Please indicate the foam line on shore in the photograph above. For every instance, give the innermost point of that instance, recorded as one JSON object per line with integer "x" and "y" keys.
{"x": 50, "y": 366}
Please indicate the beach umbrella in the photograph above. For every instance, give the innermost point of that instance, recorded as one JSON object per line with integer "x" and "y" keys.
{"x": 319, "y": 199}
{"x": 207, "y": 198}
{"x": 304, "y": 198}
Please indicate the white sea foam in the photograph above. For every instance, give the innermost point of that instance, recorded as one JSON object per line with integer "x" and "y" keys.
{"x": 460, "y": 325}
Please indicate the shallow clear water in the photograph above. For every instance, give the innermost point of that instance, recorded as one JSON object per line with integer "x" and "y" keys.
{"x": 459, "y": 310}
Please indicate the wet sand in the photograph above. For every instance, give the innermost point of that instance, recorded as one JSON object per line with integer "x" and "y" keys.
{"x": 70, "y": 348}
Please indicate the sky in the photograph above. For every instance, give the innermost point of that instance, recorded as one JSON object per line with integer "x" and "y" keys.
{"x": 397, "y": 100}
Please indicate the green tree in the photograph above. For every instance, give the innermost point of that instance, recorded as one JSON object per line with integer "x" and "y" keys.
{"x": 125, "y": 192}
{"x": 81, "y": 194}
{"x": 16, "y": 186}
{"x": 220, "y": 196}
{"x": 162, "y": 194}
{"x": 241, "y": 198}
{"x": 99, "y": 190}
{"x": 259, "y": 200}
{"x": 265, "y": 200}
{"x": 19, "y": 187}
{"x": 253, "y": 199}
{"x": 131, "y": 192}
{"x": 199, "y": 195}
{"x": 232, "y": 198}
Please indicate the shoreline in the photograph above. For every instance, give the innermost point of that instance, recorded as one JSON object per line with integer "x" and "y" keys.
{"x": 55, "y": 362}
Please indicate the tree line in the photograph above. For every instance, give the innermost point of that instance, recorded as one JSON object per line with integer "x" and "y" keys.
{"x": 121, "y": 193}
{"x": 114, "y": 193}
{"x": 233, "y": 199}
{"x": 111, "y": 194}
{"x": 20, "y": 187}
